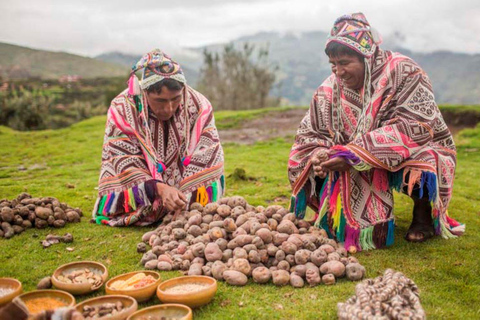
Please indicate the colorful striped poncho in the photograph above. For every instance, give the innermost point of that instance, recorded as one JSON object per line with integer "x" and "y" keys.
{"x": 138, "y": 153}
{"x": 405, "y": 136}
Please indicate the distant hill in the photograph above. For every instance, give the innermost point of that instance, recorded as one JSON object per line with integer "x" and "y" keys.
{"x": 304, "y": 65}
{"x": 20, "y": 62}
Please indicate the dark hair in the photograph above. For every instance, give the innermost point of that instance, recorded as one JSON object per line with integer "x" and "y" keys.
{"x": 335, "y": 50}
{"x": 171, "y": 84}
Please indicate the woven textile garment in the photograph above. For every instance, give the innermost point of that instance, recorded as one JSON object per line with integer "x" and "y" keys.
{"x": 127, "y": 186}
{"x": 390, "y": 132}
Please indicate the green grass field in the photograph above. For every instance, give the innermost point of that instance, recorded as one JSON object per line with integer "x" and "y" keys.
{"x": 446, "y": 271}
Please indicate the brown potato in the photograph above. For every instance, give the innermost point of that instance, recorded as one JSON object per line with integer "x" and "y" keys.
{"x": 217, "y": 233}
{"x": 334, "y": 267}
{"x": 283, "y": 265}
{"x": 198, "y": 249}
{"x": 272, "y": 224}
{"x": 265, "y": 235}
{"x": 195, "y": 220}
{"x": 146, "y": 236}
{"x": 40, "y": 223}
{"x": 254, "y": 256}
{"x": 355, "y": 271}
{"x": 261, "y": 275}
{"x": 196, "y": 206}
{"x": 224, "y": 210}
{"x": 327, "y": 248}
{"x": 164, "y": 266}
{"x": 296, "y": 281}
{"x": 242, "y": 266}
{"x": 280, "y": 277}
{"x": 218, "y": 268}
{"x": 73, "y": 216}
{"x": 229, "y": 225}
{"x": 211, "y": 208}
{"x": 313, "y": 277}
{"x": 287, "y": 226}
{"x": 328, "y": 279}
{"x": 272, "y": 249}
{"x": 235, "y": 278}
{"x": 213, "y": 252}
{"x": 288, "y": 247}
{"x": 222, "y": 243}
{"x": 302, "y": 256}
{"x": 240, "y": 253}
{"x": 151, "y": 265}
{"x": 299, "y": 270}
{"x": 237, "y": 211}
{"x": 45, "y": 283}
{"x": 237, "y": 201}
{"x": 195, "y": 269}
{"x": 43, "y": 213}
{"x": 333, "y": 256}
{"x": 318, "y": 257}
{"x": 279, "y": 238}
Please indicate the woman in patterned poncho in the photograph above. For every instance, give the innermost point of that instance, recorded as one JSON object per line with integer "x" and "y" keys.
{"x": 161, "y": 149}
{"x": 373, "y": 126}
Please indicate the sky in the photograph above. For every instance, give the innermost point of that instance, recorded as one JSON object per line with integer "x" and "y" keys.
{"x": 93, "y": 27}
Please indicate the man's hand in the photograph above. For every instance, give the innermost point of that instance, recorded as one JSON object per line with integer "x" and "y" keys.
{"x": 318, "y": 158}
{"x": 172, "y": 199}
{"x": 335, "y": 164}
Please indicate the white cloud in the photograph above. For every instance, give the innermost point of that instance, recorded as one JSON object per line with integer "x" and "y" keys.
{"x": 92, "y": 27}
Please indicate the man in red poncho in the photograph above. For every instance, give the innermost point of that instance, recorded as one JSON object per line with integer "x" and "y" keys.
{"x": 373, "y": 126}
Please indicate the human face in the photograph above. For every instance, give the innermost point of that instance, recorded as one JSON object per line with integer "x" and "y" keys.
{"x": 350, "y": 70}
{"x": 165, "y": 103}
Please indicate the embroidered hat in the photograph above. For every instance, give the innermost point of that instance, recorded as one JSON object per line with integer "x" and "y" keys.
{"x": 354, "y": 31}
{"x": 156, "y": 66}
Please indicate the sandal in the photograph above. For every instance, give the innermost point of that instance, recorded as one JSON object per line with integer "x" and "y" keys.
{"x": 421, "y": 228}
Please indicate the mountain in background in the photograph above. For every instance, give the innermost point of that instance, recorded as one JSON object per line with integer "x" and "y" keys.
{"x": 300, "y": 57}
{"x": 304, "y": 66}
{"x": 18, "y": 62}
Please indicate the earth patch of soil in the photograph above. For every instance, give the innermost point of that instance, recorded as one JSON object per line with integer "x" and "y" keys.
{"x": 278, "y": 124}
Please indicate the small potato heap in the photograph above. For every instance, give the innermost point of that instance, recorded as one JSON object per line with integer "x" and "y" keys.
{"x": 25, "y": 212}
{"x": 232, "y": 240}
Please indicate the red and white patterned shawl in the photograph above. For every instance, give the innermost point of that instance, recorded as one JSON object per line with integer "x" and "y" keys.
{"x": 132, "y": 150}
{"x": 405, "y": 134}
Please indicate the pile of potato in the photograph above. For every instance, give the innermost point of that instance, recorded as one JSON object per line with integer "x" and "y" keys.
{"x": 232, "y": 240}
{"x": 25, "y": 212}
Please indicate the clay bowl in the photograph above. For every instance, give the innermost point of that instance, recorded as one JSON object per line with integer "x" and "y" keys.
{"x": 79, "y": 288}
{"x": 65, "y": 299}
{"x": 141, "y": 294}
{"x": 168, "y": 311}
{"x": 9, "y": 283}
{"x": 130, "y": 305}
{"x": 193, "y": 299}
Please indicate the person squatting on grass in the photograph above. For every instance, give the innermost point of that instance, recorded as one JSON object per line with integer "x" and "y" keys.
{"x": 161, "y": 150}
{"x": 373, "y": 126}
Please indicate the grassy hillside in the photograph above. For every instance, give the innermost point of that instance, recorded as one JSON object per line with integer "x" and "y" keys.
{"x": 445, "y": 271}
{"x": 21, "y": 62}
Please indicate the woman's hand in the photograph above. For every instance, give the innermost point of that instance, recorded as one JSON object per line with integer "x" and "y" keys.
{"x": 172, "y": 198}
{"x": 318, "y": 158}
{"x": 335, "y": 164}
